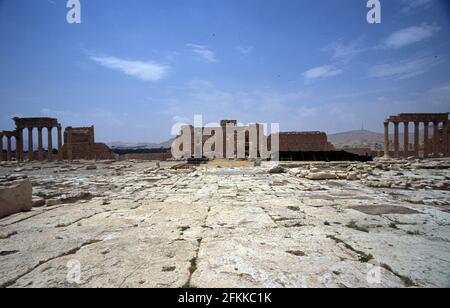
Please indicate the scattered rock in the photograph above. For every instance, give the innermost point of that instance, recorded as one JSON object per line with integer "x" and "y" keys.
{"x": 322, "y": 176}
{"x": 277, "y": 170}
{"x": 15, "y": 197}
{"x": 38, "y": 202}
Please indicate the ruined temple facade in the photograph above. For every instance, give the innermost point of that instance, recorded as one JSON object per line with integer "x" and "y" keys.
{"x": 79, "y": 143}
{"x": 83, "y": 142}
{"x": 304, "y": 142}
{"x": 288, "y": 141}
{"x": 207, "y": 133}
{"x": 435, "y": 141}
{"x": 29, "y": 125}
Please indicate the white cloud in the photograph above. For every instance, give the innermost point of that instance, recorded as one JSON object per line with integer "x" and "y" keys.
{"x": 146, "y": 71}
{"x": 404, "y": 69}
{"x": 321, "y": 72}
{"x": 410, "y": 36}
{"x": 54, "y": 113}
{"x": 203, "y": 52}
{"x": 345, "y": 51}
{"x": 245, "y": 50}
{"x": 438, "y": 95}
{"x": 411, "y": 5}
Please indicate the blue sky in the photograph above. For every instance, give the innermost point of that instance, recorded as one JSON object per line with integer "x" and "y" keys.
{"x": 134, "y": 68}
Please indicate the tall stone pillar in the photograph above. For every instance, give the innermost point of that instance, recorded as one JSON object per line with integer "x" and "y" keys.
{"x": 30, "y": 143}
{"x": 426, "y": 138}
{"x": 435, "y": 139}
{"x": 386, "y": 140}
{"x": 396, "y": 140}
{"x": 50, "y": 143}
{"x": 69, "y": 144}
{"x": 406, "y": 139}
{"x": 60, "y": 153}
{"x": 19, "y": 145}
{"x": 40, "y": 145}
{"x": 224, "y": 134}
{"x": 9, "y": 149}
{"x": 1, "y": 147}
{"x": 445, "y": 139}
{"x": 416, "y": 139}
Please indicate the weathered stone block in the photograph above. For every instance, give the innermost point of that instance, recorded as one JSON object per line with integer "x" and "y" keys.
{"x": 15, "y": 197}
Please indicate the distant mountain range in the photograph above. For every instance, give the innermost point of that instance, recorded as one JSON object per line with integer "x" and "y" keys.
{"x": 357, "y": 138}
{"x": 364, "y": 138}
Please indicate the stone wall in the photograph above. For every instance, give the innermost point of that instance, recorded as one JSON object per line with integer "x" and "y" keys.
{"x": 147, "y": 156}
{"x": 304, "y": 142}
{"x": 79, "y": 143}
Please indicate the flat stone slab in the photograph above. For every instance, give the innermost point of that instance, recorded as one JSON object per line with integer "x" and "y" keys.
{"x": 384, "y": 210}
{"x": 227, "y": 227}
{"x": 15, "y": 197}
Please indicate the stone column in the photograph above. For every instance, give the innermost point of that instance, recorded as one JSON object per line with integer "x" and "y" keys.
{"x": 386, "y": 140}
{"x": 416, "y": 139}
{"x": 445, "y": 138}
{"x": 50, "y": 143}
{"x": 426, "y": 138}
{"x": 435, "y": 139}
{"x": 60, "y": 154}
{"x": 40, "y": 146}
{"x": 30, "y": 143}
{"x": 9, "y": 150}
{"x": 19, "y": 145}
{"x": 1, "y": 147}
{"x": 406, "y": 139}
{"x": 396, "y": 140}
{"x": 69, "y": 144}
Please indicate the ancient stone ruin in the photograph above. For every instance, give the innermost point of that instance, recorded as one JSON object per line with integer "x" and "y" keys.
{"x": 78, "y": 142}
{"x": 300, "y": 146}
{"x": 435, "y": 146}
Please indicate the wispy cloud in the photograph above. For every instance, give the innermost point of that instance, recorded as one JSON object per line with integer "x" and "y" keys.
{"x": 321, "y": 72}
{"x": 146, "y": 71}
{"x": 411, "y": 5}
{"x": 245, "y": 50}
{"x": 410, "y": 36}
{"x": 404, "y": 69}
{"x": 203, "y": 52}
{"x": 51, "y": 112}
{"x": 343, "y": 51}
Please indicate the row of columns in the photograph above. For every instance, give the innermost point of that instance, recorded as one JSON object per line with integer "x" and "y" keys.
{"x": 19, "y": 144}
{"x": 8, "y": 147}
{"x": 428, "y": 148}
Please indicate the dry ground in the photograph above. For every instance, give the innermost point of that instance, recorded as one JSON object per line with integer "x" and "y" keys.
{"x": 129, "y": 225}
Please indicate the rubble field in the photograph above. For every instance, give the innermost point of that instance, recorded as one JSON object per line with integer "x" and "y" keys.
{"x": 143, "y": 224}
